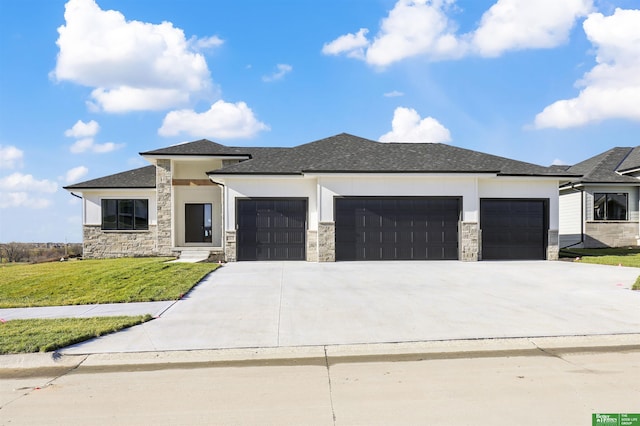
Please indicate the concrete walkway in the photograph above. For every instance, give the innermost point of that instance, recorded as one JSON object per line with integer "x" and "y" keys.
{"x": 287, "y": 304}
{"x": 86, "y": 311}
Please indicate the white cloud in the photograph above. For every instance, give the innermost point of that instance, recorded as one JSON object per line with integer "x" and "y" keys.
{"x": 73, "y": 175}
{"x": 558, "y": 162}
{"x": 85, "y": 133}
{"x": 22, "y": 199}
{"x": 24, "y": 182}
{"x": 351, "y": 44}
{"x": 83, "y": 130}
{"x": 393, "y": 94}
{"x": 424, "y": 28}
{"x": 408, "y": 126}
{"x": 10, "y": 157}
{"x": 223, "y": 120}
{"x": 526, "y": 24}
{"x": 281, "y": 71}
{"x": 88, "y": 145}
{"x": 205, "y": 42}
{"x": 611, "y": 89}
{"x": 132, "y": 65}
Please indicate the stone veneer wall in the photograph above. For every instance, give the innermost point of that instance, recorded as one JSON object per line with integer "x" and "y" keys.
{"x": 230, "y": 246}
{"x": 553, "y": 245}
{"x": 469, "y": 242}
{"x": 312, "y": 246}
{"x": 610, "y": 234}
{"x": 326, "y": 242}
{"x": 163, "y": 199}
{"x": 99, "y": 244}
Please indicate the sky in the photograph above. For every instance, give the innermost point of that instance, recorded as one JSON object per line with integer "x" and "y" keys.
{"x": 85, "y": 85}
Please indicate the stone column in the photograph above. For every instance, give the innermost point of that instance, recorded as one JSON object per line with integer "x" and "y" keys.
{"x": 469, "y": 241}
{"x": 326, "y": 242}
{"x": 312, "y": 246}
{"x": 163, "y": 200}
{"x": 230, "y": 246}
{"x": 553, "y": 245}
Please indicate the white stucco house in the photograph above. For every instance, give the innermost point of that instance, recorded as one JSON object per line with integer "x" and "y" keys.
{"x": 600, "y": 209}
{"x": 338, "y": 198}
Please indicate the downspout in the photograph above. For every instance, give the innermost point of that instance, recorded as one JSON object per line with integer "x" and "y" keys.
{"x": 75, "y": 195}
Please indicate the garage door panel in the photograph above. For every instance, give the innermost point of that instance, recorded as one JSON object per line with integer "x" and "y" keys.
{"x": 513, "y": 228}
{"x": 271, "y": 229}
{"x": 400, "y": 228}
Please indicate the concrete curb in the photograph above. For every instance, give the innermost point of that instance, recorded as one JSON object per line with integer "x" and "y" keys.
{"x": 406, "y": 351}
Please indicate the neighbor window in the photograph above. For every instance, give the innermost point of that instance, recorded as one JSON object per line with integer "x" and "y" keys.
{"x": 608, "y": 206}
{"x": 125, "y": 215}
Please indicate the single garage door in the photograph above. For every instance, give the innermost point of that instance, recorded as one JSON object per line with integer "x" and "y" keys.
{"x": 271, "y": 229}
{"x": 396, "y": 228}
{"x": 514, "y": 229}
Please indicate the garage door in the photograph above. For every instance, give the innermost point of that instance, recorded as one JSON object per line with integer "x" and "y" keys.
{"x": 514, "y": 228}
{"x": 396, "y": 228}
{"x": 271, "y": 229}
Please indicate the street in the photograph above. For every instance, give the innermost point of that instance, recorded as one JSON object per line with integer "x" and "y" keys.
{"x": 515, "y": 386}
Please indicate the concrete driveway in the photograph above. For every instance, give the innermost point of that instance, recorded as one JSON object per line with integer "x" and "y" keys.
{"x": 271, "y": 304}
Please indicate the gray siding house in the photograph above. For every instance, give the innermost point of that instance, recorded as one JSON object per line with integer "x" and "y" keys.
{"x": 600, "y": 209}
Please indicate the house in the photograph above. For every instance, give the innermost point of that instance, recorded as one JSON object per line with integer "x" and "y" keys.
{"x": 600, "y": 209}
{"x": 338, "y": 198}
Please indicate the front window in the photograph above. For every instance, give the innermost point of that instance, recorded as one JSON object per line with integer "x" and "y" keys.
{"x": 125, "y": 215}
{"x": 607, "y": 206}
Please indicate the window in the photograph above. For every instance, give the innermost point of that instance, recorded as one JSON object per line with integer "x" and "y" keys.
{"x": 609, "y": 206}
{"x": 125, "y": 215}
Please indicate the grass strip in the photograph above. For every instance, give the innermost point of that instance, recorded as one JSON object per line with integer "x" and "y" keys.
{"x": 98, "y": 281}
{"x": 45, "y": 335}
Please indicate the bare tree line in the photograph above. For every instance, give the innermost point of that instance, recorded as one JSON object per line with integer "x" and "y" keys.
{"x": 38, "y": 252}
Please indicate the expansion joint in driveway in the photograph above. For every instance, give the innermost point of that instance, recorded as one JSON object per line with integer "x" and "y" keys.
{"x": 326, "y": 361}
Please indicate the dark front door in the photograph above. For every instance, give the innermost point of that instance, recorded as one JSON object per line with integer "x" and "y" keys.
{"x": 514, "y": 229}
{"x": 272, "y": 229}
{"x": 197, "y": 223}
{"x": 404, "y": 228}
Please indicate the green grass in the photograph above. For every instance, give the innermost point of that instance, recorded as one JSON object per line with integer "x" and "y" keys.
{"x": 44, "y": 335}
{"x": 606, "y": 256}
{"x": 98, "y": 281}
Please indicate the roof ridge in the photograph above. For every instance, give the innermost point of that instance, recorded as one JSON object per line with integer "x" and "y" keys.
{"x": 629, "y": 151}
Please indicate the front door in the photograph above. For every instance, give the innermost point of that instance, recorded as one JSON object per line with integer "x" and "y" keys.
{"x": 197, "y": 223}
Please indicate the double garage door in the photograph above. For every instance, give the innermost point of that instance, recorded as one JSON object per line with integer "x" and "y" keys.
{"x": 398, "y": 228}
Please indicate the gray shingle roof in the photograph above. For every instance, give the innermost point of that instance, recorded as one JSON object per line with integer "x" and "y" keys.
{"x": 144, "y": 177}
{"x": 604, "y": 167}
{"x": 200, "y": 147}
{"x": 632, "y": 162}
{"x": 343, "y": 153}
{"x": 351, "y": 154}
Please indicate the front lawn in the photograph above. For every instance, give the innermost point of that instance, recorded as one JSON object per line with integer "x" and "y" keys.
{"x": 44, "y": 335}
{"x": 80, "y": 282}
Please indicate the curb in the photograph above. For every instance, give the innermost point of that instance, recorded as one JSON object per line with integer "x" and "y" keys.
{"x": 324, "y": 354}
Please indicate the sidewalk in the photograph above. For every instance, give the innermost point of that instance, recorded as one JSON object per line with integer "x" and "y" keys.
{"x": 86, "y": 311}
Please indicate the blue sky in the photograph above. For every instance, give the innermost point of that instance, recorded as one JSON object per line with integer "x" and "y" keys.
{"x": 86, "y": 85}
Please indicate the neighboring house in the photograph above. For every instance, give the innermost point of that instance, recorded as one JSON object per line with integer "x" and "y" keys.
{"x": 601, "y": 208}
{"x": 339, "y": 198}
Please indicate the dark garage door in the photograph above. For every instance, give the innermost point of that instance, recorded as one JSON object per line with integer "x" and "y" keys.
{"x": 271, "y": 229}
{"x": 513, "y": 229}
{"x": 396, "y": 228}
